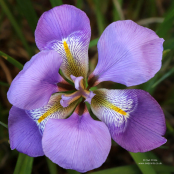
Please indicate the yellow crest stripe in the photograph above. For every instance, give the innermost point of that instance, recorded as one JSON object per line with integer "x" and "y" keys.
{"x": 103, "y": 102}
{"x": 57, "y": 106}
{"x": 71, "y": 62}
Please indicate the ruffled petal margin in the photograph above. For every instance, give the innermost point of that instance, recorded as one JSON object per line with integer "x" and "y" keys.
{"x": 34, "y": 85}
{"x": 24, "y": 134}
{"x": 128, "y": 54}
{"x": 135, "y": 120}
{"x": 79, "y": 142}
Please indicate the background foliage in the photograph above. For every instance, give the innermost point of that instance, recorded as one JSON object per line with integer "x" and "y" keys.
{"x": 18, "y": 20}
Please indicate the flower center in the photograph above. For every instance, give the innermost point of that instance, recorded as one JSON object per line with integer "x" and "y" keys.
{"x": 67, "y": 99}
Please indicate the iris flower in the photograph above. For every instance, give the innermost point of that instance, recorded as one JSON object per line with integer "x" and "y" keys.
{"x": 42, "y": 121}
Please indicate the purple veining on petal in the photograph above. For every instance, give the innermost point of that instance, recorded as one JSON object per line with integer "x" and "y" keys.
{"x": 79, "y": 142}
{"x": 108, "y": 106}
{"x": 24, "y": 134}
{"x": 128, "y": 54}
{"x": 67, "y": 24}
{"x": 52, "y": 110}
{"x": 60, "y": 22}
{"x": 145, "y": 123}
{"x": 34, "y": 85}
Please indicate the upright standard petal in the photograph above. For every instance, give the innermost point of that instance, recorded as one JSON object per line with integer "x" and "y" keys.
{"x": 135, "y": 120}
{"x": 66, "y": 29}
{"x": 24, "y": 134}
{"x": 79, "y": 142}
{"x": 128, "y": 54}
{"x": 52, "y": 110}
{"x": 34, "y": 85}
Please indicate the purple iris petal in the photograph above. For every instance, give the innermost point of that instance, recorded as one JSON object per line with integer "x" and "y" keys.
{"x": 128, "y": 54}
{"x": 66, "y": 29}
{"x": 24, "y": 134}
{"x": 60, "y": 22}
{"x": 34, "y": 85}
{"x": 137, "y": 122}
{"x": 52, "y": 110}
{"x": 145, "y": 127}
{"x": 79, "y": 142}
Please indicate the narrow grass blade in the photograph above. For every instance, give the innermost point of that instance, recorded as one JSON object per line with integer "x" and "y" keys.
{"x": 55, "y": 3}
{"x": 72, "y": 171}
{"x": 163, "y": 77}
{"x": 117, "y": 10}
{"x": 28, "y": 11}
{"x": 93, "y": 42}
{"x": 99, "y": 15}
{"x": 52, "y": 167}
{"x": 4, "y": 84}
{"x": 169, "y": 127}
{"x": 137, "y": 9}
{"x": 11, "y": 60}
{"x": 138, "y": 158}
{"x": 15, "y": 25}
{"x": 153, "y": 7}
{"x": 24, "y": 164}
{"x": 3, "y": 124}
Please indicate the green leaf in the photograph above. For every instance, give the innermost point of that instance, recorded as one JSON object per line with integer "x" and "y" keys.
{"x": 93, "y": 42}
{"x": 129, "y": 169}
{"x": 28, "y": 11}
{"x": 79, "y": 4}
{"x": 72, "y": 171}
{"x": 138, "y": 158}
{"x": 151, "y": 156}
{"x": 93, "y": 88}
{"x": 55, "y": 3}
{"x": 169, "y": 44}
{"x": 117, "y": 10}
{"x": 24, "y": 164}
{"x": 148, "y": 85}
{"x": 163, "y": 168}
{"x": 100, "y": 16}
{"x": 133, "y": 169}
{"x": 15, "y": 25}
{"x": 164, "y": 28}
{"x": 4, "y": 84}
{"x": 11, "y": 60}
{"x": 163, "y": 77}
{"x": 169, "y": 127}
{"x": 52, "y": 166}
